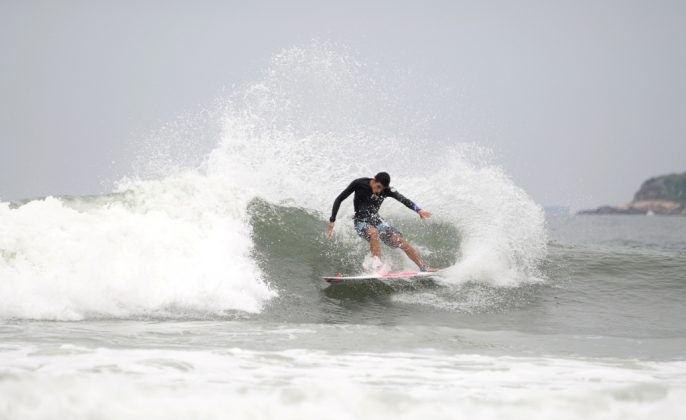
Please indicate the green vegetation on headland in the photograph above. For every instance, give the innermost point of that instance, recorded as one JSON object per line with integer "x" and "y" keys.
{"x": 664, "y": 194}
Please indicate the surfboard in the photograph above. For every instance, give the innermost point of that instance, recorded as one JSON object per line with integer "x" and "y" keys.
{"x": 404, "y": 275}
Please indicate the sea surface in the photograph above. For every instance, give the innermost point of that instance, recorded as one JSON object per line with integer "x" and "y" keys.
{"x": 194, "y": 290}
{"x": 603, "y": 336}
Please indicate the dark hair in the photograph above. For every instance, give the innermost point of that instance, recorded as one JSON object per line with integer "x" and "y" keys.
{"x": 383, "y": 178}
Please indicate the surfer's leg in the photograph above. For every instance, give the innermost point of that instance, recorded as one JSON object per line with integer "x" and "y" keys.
{"x": 393, "y": 238}
{"x": 370, "y": 234}
{"x": 411, "y": 252}
{"x": 373, "y": 235}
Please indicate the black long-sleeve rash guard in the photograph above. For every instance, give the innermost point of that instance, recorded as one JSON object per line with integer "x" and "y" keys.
{"x": 366, "y": 203}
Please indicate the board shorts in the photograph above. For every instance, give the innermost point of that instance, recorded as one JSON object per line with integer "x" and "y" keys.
{"x": 387, "y": 233}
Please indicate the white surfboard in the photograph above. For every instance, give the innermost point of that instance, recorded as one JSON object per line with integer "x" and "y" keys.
{"x": 404, "y": 275}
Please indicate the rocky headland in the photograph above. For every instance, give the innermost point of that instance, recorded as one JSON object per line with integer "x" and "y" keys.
{"x": 663, "y": 195}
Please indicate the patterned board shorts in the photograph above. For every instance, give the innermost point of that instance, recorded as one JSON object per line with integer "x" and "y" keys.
{"x": 387, "y": 233}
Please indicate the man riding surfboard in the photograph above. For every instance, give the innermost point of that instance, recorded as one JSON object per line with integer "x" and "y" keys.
{"x": 369, "y": 195}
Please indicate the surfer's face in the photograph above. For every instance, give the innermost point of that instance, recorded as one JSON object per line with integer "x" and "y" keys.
{"x": 377, "y": 187}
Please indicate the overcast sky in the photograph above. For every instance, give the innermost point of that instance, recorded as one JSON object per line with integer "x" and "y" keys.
{"x": 581, "y": 100}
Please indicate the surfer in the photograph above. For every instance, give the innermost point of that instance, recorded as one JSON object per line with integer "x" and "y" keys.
{"x": 369, "y": 195}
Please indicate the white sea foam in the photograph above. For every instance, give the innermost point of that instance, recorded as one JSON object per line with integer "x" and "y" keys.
{"x": 179, "y": 245}
{"x": 74, "y": 382}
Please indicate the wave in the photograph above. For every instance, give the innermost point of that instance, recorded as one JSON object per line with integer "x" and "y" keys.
{"x": 158, "y": 247}
{"x": 183, "y": 242}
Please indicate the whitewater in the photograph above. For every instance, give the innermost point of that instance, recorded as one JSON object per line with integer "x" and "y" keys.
{"x": 193, "y": 288}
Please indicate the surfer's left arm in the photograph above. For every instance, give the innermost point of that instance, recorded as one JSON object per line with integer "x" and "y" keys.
{"x": 336, "y": 205}
{"x": 424, "y": 214}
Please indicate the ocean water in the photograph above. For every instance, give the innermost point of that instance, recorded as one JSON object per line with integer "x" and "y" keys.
{"x": 195, "y": 291}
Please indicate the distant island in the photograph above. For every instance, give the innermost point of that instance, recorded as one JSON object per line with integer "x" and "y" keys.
{"x": 664, "y": 195}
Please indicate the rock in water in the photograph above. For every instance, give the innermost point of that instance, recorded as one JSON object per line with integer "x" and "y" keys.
{"x": 667, "y": 188}
{"x": 664, "y": 195}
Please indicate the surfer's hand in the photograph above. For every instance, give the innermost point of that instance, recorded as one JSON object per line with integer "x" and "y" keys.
{"x": 424, "y": 214}
{"x": 329, "y": 234}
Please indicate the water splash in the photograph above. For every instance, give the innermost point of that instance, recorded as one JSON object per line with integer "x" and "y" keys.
{"x": 181, "y": 243}
{"x": 321, "y": 118}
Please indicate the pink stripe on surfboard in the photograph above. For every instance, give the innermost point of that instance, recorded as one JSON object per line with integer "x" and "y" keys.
{"x": 403, "y": 274}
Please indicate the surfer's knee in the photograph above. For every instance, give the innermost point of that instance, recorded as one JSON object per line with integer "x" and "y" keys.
{"x": 373, "y": 233}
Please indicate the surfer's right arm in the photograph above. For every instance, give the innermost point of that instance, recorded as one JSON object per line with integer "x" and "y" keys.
{"x": 337, "y": 204}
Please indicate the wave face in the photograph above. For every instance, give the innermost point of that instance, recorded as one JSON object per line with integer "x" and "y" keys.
{"x": 317, "y": 120}
{"x": 184, "y": 243}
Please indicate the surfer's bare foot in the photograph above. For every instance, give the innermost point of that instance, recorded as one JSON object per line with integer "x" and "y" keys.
{"x": 377, "y": 265}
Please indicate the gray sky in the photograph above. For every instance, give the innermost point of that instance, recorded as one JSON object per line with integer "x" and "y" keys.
{"x": 582, "y": 100}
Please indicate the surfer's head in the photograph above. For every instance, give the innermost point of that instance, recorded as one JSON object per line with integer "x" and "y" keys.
{"x": 380, "y": 181}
